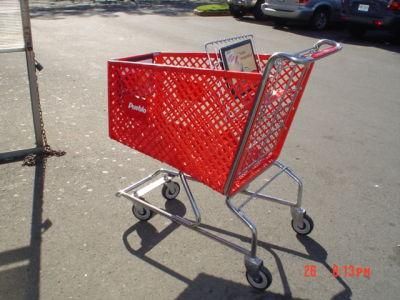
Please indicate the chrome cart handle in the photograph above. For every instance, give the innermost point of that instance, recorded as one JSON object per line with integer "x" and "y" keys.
{"x": 304, "y": 57}
{"x": 309, "y": 55}
{"x": 321, "y": 53}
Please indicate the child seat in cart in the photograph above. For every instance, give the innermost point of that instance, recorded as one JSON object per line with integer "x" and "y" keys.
{"x": 220, "y": 127}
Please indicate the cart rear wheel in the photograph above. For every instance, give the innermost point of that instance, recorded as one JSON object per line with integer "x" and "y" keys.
{"x": 170, "y": 190}
{"x": 262, "y": 281}
{"x": 142, "y": 213}
{"x": 306, "y": 227}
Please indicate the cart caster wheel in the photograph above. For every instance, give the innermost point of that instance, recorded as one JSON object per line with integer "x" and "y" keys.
{"x": 262, "y": 281}
{"x": 307, "y": 227}
{"x": 170, "y": 190}
{"x": 142, "y": 213}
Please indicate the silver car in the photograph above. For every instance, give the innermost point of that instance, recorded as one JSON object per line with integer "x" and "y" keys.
{"x": 319, "y": 13}
{"x": 239, "y": 8}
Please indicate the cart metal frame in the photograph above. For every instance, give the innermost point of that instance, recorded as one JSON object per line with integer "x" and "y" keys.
{"x": 257, "y": 275}
{"x": 32, "y": 66}
{"x": 212, "y": 49}
{"x": 137, "y": 190}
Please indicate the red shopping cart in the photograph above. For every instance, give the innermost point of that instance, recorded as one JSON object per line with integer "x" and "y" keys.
{"x": 221, "y": 128}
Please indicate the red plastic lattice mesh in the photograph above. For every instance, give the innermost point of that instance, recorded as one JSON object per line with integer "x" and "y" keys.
{"x": 274, "y": 115}
{"x": 171, "y": 107}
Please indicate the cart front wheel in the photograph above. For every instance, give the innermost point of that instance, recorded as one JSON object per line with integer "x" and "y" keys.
{"x": 262, "y": 281}
{"x": 170, "y": 190}
{"x": 306, "y": 227}
{"x": 142, "y": 213}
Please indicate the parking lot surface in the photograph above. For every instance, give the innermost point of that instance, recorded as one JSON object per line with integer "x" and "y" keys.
{"x": 78, "y": 241}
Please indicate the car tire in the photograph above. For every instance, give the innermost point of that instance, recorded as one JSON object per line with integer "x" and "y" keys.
{"x": 236, "y": 11}
{"x": 257, "y": 11}
{"x": 320, "y": 19}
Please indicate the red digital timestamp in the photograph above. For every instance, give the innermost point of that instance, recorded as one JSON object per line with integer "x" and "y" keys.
{"x": 346, "y": 271}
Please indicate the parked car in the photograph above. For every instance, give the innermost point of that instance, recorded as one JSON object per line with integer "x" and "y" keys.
{"x": 363, "y": 15}
{"x": 239, "y": 8}
{"x": 319, "y": 13}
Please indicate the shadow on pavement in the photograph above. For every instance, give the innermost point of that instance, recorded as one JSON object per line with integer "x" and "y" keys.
{"x": 111, "y": 8}
{"x": 23, "y": 280}
{"x": 205, "y": 286}
{"x": 378, "y": 39}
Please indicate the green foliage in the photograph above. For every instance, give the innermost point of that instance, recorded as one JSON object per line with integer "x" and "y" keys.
{"x": 213, "y": 8}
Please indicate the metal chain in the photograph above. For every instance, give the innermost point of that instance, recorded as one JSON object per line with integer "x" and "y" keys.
{"x": 30, "y": 160}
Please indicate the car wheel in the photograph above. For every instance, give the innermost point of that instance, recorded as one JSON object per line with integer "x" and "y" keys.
{"x": 236, "y": 11}
{"x": 257, "y": 11}
{"x": 320, "y": 19}
{"x": 356, "y": 31}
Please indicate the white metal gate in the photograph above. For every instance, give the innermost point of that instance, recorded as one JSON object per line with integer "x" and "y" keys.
{"x": 16, "y": 36}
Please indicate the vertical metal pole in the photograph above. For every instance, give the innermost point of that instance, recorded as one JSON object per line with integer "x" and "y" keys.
{"x": 242, "y": 216}
{"x": 30, "y": 62}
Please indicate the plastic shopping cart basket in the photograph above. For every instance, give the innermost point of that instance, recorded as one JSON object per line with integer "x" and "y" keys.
{"x": 221, "y": 128}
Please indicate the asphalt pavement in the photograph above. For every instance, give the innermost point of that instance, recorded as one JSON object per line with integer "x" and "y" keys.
{"x": 64, "y": 234}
